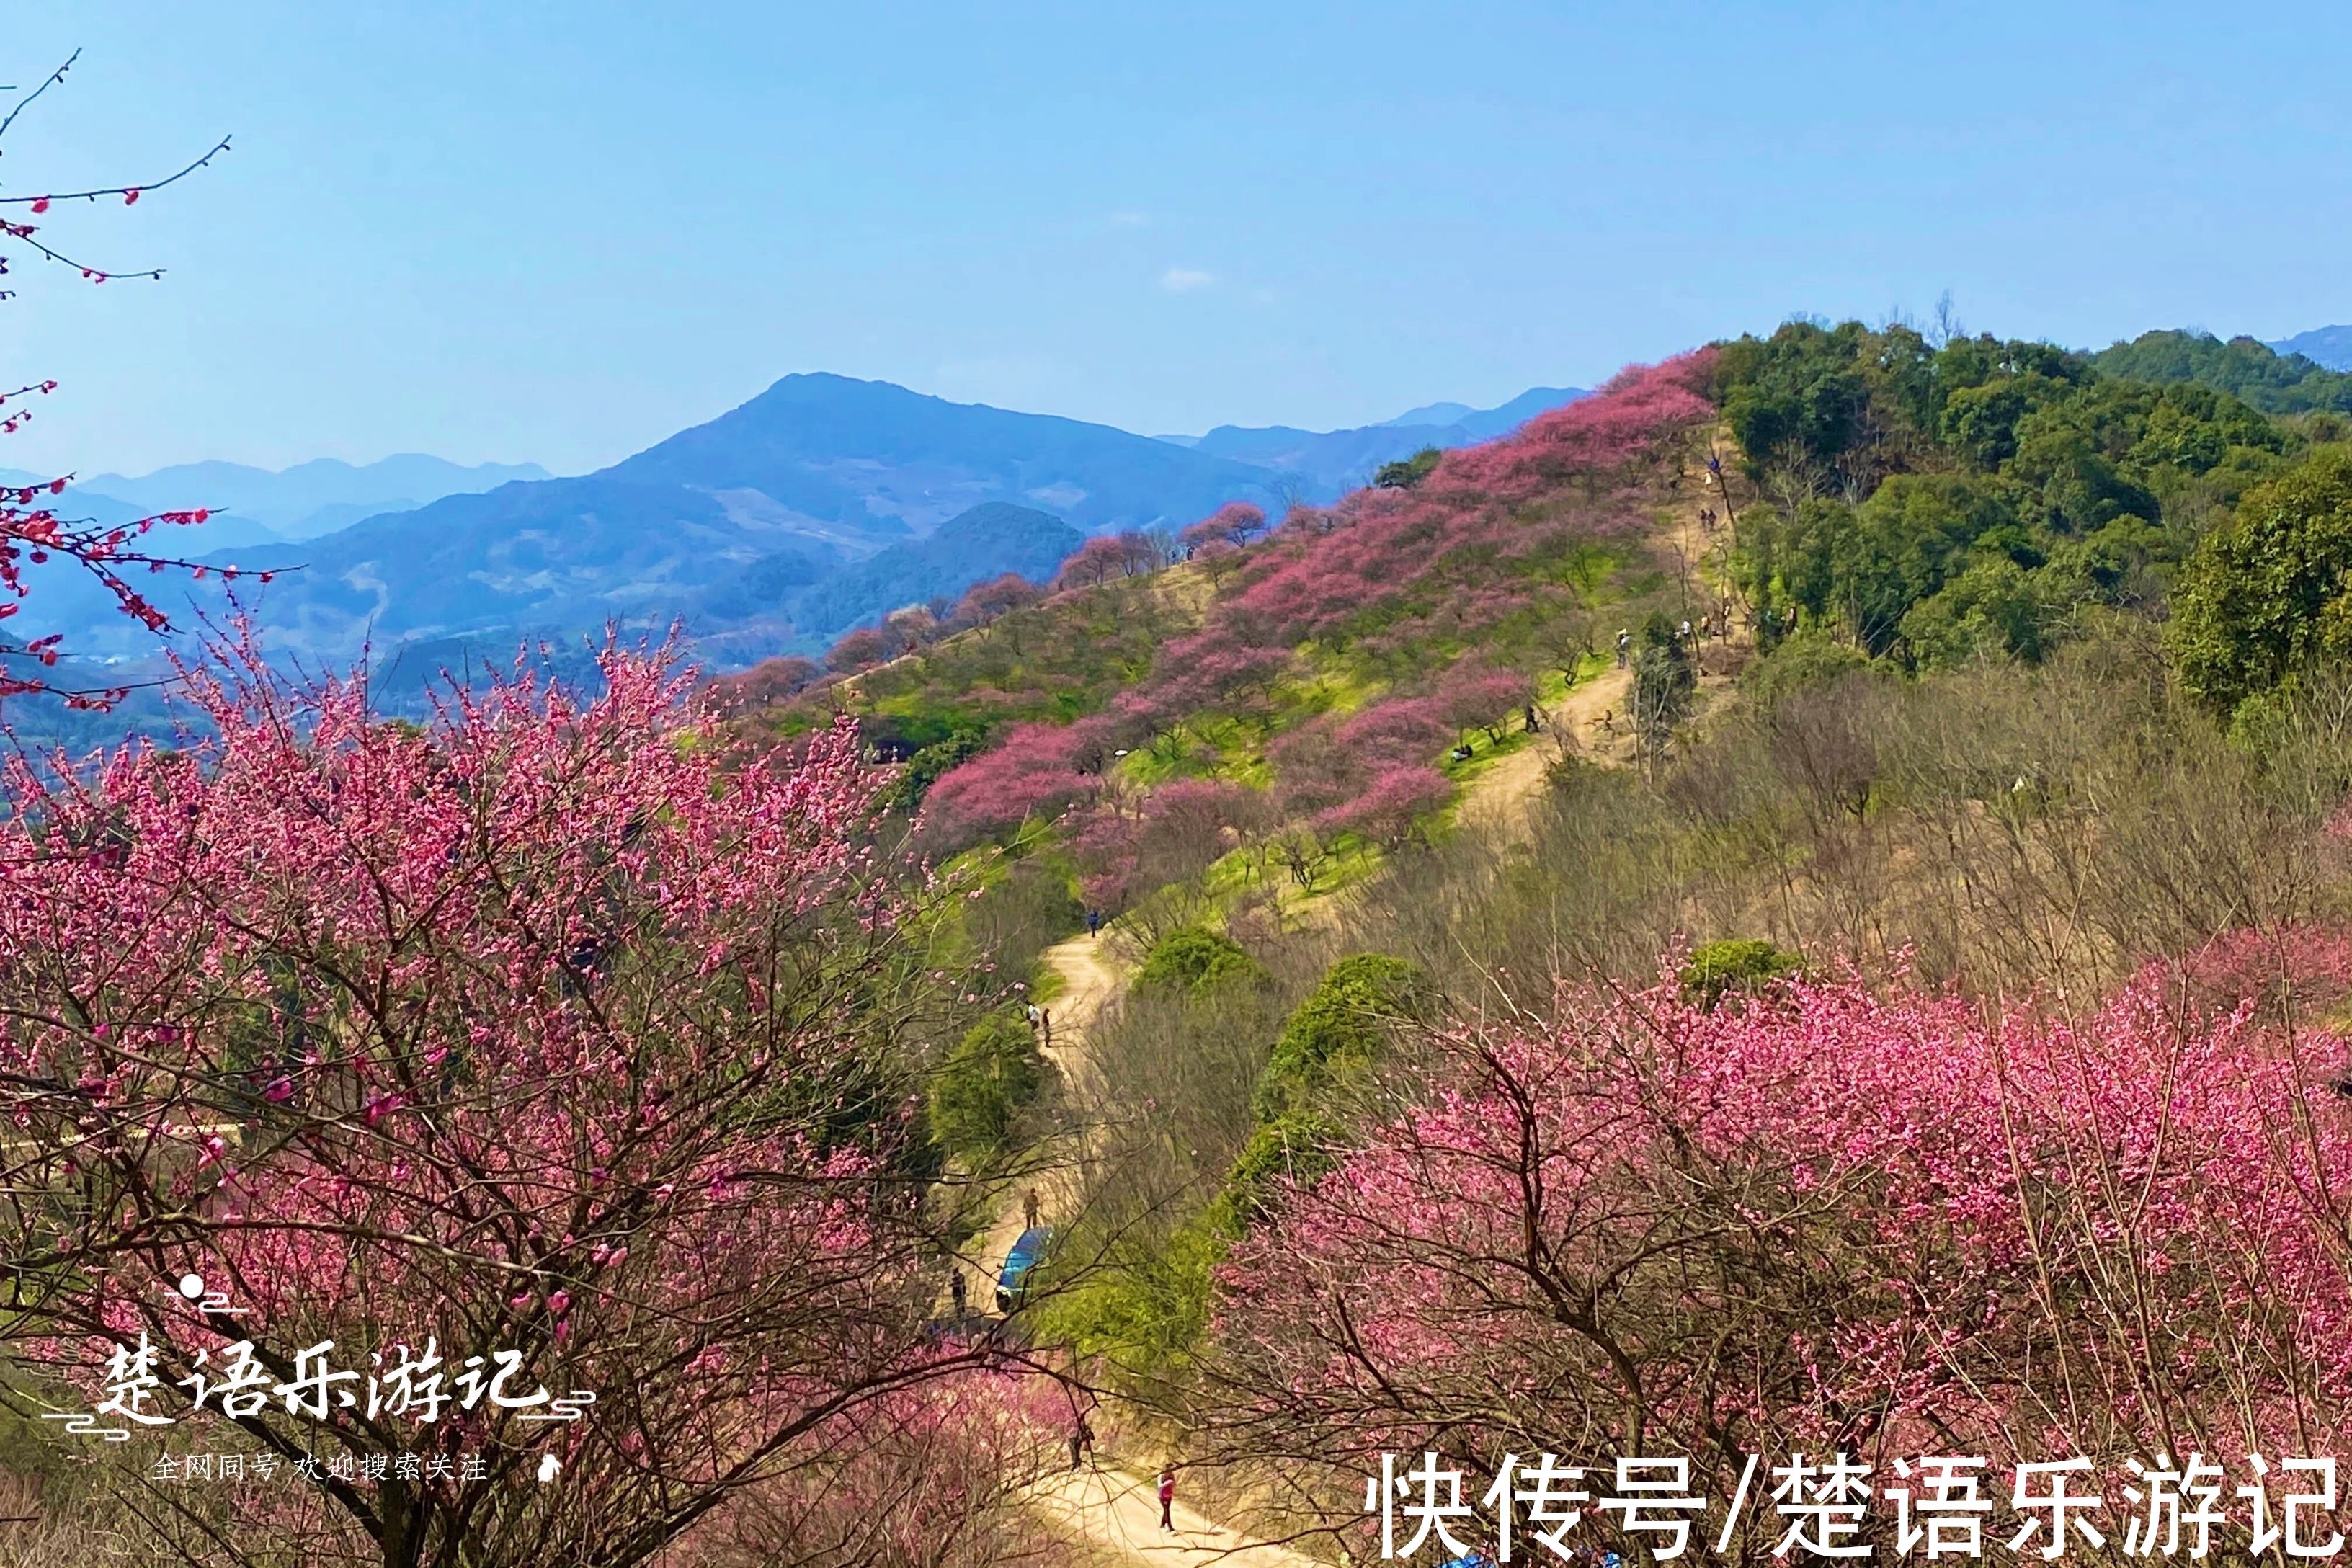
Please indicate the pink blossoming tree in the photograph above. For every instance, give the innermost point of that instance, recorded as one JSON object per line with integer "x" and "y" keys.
{"x": 548, "y": 1028}
{"x": 1822, "y": 1220}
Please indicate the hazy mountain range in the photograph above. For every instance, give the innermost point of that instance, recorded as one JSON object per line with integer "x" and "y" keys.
{"x": 823, "y": 502}
{"x": 2330, "y": 346}
{"x": 253, "y": 505}
{"x": 820, "y": 503}
{"x": 1333, "y": 461}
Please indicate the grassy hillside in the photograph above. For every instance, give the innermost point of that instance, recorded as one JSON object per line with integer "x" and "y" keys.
{"x": 1322, "y": 689}
{"x": 1320, "y": 692}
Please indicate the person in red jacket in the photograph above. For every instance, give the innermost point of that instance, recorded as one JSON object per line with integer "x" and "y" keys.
{"x": 1166, "y": 1497}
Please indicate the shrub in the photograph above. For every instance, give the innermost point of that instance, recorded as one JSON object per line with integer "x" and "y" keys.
{"x": 989, "y": 1078}
{"x": 1144, "y": 1307}
{"x": 1294, "y": 1146}
{"x": 1738, "y": 963}
{"x": 1809, "y": 660}
{"x": 932, "y": 762}
{"x": 1407, "y": 472}
{"x": 1193, "y": 960}
{"x": 1340, "y": 1025}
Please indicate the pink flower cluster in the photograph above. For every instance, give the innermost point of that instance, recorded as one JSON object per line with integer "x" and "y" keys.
{"x": 1827, "y": 1217}
{"x": 528, "y": 1027}
{"x": 1439, "y": 565}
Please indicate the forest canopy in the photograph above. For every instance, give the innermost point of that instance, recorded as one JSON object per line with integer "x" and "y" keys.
{"x": 1933, "y": 503}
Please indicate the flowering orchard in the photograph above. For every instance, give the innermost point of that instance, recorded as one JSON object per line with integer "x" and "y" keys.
{"x": 1462, "y": 551}
{"x": 549, "y": 1025}
{"x": 1823, "y": 1221}
{"x": 1545, "y": 1508}
{"x": 927, "y": 1478}
{"x": 1393, "y": 585}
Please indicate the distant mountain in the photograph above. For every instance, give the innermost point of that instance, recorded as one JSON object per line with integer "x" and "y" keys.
{"x": 1330, "y": 462}
{"x": 740, "y": 522}
{"x": 986, "y": 541}
{"x": 81, "y": 503}
{"x": 2242, "y": 367}
{"x": 308, "y": 499}
{"x": 1486, "y": 424}
{"x": 1440, "y": 414}
{"x": 822, "y": 502}
{"x": 868, "y": 460}
{"x": 2328, "y": 346}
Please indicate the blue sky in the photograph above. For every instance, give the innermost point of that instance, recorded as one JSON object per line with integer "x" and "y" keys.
{"x": 558, "y": 232}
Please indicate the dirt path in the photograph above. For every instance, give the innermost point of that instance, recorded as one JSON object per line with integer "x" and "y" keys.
{"x": 1119, "y": 1512}
{"x": 1592, "y": 719}
{"x": 1588, "y": 721}
{"x": 1088, "y": 982}
{"x": 1108, "y": 1509}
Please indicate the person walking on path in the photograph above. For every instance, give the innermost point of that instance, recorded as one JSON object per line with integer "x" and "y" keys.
{"x": 1168, "y": 1499}
{"x": 1082, "y": 1437}
{"x": 1094, "y": 923}
{"x": 1031, "y": 1207}
{"x": 956, "y": 1290}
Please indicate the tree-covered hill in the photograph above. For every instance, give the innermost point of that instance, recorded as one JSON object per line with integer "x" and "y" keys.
{"x": 1937, "y": 504}
{"x": 2263, "y": 376}
{"x": 1321, "y": 688}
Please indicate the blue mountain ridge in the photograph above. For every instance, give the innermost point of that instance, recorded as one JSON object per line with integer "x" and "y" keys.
{"x": 2328, "y": 346}
{"x": 1330, "y": 462}
{"x": 822, "y": 502}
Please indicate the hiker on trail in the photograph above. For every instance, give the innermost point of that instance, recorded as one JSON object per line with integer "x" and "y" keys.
{"x": 1031, "y": 1207}
{"x": 1167, "y": 1499}
{"x": 1082, "y": 1437}
{"x": 1094, "y": 923}
{"x": 1036, "y": 1019}
{"x": 956, "y": 1289}
{"x": 1532, "y": 725}
{"x": 1624, "y": 644}
{"x": 1686, "y": 631}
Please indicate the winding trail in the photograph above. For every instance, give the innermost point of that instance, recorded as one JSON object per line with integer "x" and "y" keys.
{"x": 1088, "y": 982}
{"x": 1111, "y": 1511}
{"x": 1588, "y": 721}
{"x": 1107, "y": 1509}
